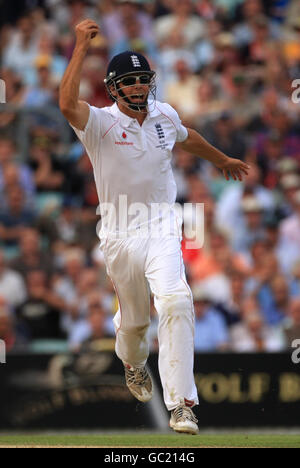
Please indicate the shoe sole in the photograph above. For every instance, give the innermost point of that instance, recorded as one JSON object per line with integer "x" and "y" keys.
{"x": 140, "y": 398}
{"x": 184, "y": 429}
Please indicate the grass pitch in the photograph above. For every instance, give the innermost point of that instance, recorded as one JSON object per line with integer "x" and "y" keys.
{"x": 152, "y": 440}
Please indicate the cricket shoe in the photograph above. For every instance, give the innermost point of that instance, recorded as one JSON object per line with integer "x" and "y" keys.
{"x": 139, "y": 382}
{"x": 183, "y": 419}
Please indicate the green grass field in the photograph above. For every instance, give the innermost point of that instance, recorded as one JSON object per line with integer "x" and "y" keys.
{"x": 152, "y": 440}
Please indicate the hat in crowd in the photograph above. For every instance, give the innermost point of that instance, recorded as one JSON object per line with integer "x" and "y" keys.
{"x": 251, "y": 205}
{"x": 200, "y": 293}
{"x": 290, "y": 181}
{"x": 43, "y": 61}
{"x": 225, "y": 39}
{"x": 287, "y": 165}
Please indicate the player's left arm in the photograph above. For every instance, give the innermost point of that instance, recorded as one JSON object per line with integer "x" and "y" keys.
{"x": 197, "y": 145}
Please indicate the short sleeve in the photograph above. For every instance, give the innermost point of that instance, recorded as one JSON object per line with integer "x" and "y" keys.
{"x": 90, "y": 137}
{"x": 182, "y": 132}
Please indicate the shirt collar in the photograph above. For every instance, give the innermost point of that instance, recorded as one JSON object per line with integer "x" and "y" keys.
{"x": 126, "y": 121}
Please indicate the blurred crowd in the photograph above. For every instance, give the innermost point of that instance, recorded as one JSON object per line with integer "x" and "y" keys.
{"x": 228, "y": 67}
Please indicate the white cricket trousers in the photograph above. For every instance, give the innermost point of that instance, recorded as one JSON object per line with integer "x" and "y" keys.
{"x": 133, "y": 265}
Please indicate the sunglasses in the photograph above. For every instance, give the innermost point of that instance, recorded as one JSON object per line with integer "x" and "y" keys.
{"x": 131, "y": 80}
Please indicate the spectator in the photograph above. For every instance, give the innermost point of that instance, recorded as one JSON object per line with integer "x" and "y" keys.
{"x": 65, "y": 285}
{"x": 134, "y": 40}
{"x": 290, "y": 227}
{"x": 31, "y": 254}
{"x": 273, "y": 295}
{"x": 211, "y": 269}
{"x": 15, "y": 217}
{"x": 228, "y": 212}
{"x": 292, "y": 328}
{"x": 41, "y": 94}
{"x": 295, "y": 279}
{"x": 252, "y": 335}
{"x": 10, "y": 165}
{"x": 181, "y": 19}
{"x": 251, "y": 227}
{"x": 21, "y": 48}
{"x": 12, "y": 286}
{"x": 47, "y": 169}
{"x": 210, "y": 328}
{"x": 98, "y": 332}
{"x": 9, "y": 333}
{"x": 40, "y": 314}
{"x": 181, "y": 93}
{"x": 113, "y": 21}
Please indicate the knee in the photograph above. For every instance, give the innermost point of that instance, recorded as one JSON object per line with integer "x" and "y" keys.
{"x": 135, "y": 330}
{"x": 179, "y": 300}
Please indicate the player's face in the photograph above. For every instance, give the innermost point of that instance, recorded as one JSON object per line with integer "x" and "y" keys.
{"x": 136, "y": 87}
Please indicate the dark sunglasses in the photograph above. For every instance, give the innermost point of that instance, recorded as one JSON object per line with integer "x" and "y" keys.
{"x": 131, "y": 80}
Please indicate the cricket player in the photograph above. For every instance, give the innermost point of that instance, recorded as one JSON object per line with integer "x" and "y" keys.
{"x": 130, "y": 147}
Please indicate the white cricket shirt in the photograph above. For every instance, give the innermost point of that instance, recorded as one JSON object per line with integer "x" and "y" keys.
{"x": 132, "y": 164}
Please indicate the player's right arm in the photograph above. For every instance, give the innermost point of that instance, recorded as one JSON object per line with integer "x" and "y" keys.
{"x": 76, "y": 111}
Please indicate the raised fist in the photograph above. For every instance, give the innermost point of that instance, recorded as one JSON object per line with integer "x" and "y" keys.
{"x": 86, "y": 31}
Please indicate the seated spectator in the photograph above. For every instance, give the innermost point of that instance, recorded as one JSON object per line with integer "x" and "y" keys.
{"x": 40, "y": 314}
{"x": 292, "y": 327}
{"x": 243, "y": 31}
{"x": 172, "y": 51}
{"x": 290, "y": 227}
{"x": 65, "y": 284}
{"x": 31, "y": 254}
{"x": 210, "y": 328}
{"x": 253, "y": 335}
{"x": 96, "y": 334}
{"x": 41, "y": 94}
{"x": 232, "y": 311}
{"x": 295, "y": 280}
{"x": 228, "y": 212}
{"x": 47, "y": 169}
{"x": 287, "y": 252}
{"x": 209, "y": 105}
{"x": 14, "y": 172}
{"x": 287, "y": 131}
{"x": 76, "y": 224}
{"x": 273, "y": 296}
{"x": 289, "y": 185}
{"x": 22, "y": 47}
{"x": 219, "y": 260}
{"x": 9, "y": 332}
{"x": 12, "y": 176}
{"x": 113, "y": 20}
{"x": 269, "y": 160}
{"x": 15, "y": 90}
{"x": 251, "y": 227}
{"x": 15, "y": 217}
{"x": 257, "y": 50}
{"x": 183, "y": 19}
{"x": 12, "y": 286}
{"x": 205, "y": 49}
{"x": 46, "y": 47}
{"x": 182, "y": 91}
{"x": 134, "y": 40}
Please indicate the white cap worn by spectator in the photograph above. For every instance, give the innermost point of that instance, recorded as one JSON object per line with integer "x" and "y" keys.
{"x": 290, "y": 181}
{"x": 251, "y": 204}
